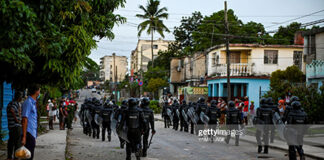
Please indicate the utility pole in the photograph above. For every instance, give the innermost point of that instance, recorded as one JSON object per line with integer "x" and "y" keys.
{"x": 141, "y": 87}
{"x": 116, "y": 85}
{"x": 227, "y": 54}
{"x": 115, "y": 82}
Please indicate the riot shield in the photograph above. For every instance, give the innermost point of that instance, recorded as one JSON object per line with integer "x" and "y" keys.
{"x": 185, "y": 117}
{"x": 204, "y": 118}
{"x": 98, "y": 119}
{"x": 192, "y": 115}
{"x": 113, "y": 122}
{"x": 178, "y": 113}
{"x": 122, "y": 132}
{"x": 280, "y": 126}
{"x": 89, "y": 117}
{"x": 169, "y": 113}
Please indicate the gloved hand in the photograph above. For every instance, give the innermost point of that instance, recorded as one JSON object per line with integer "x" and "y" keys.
{"x": 153, "y": 131}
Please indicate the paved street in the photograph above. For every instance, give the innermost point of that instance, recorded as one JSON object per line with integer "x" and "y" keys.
{"x": 167, "y": 144}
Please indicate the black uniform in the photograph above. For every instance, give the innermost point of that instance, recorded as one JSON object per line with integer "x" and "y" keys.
{"x": 296, "y": 121}
{"x": 289, "y": 108}
{"x": 118, "y": 116}
{"x": 95, "y": 109}
{"x": 106, "y": 113}
{"x": 183, "y": 123}
{"x": 149, "y": 118}
{"x": 192, "y": 125}
{"x": 175, "y": 110}
{"x": 201, "y": 107}
{"x": 87, "y": 122}
{"x": 274, "y": 109}
{"x": 134, "y": 119}
{"x": 165, "y": 116}
{"x": 213, "y": 113}
{"x": 233, "y": 120}
{"x": 264, "y": 120}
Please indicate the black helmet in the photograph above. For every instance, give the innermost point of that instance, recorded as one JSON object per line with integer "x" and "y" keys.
{"x": 190, "y": 103}
{"x": 269, "y": 101}
{"x": 175, "y": 101}
{"x": 231, "y": 104}
{"x": 132, "y": 102}
{"x": 113, "y": 101}
{"x": 184, "y": 102}
{"x": 296, "y": 105}
{"x": 262, "y": 101}
{"x": 201, "y": 100}
{"x": 94, "y": 99}
{"x": 124, "y": 102}
{"x": 194, "y": 103}
{"x": 293, "y": 99}
{"x": 213, "y": 102}
{"x": 145, "y": 101}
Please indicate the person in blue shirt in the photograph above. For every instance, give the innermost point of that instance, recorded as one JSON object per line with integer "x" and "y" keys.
{"x": 29, "y": 119}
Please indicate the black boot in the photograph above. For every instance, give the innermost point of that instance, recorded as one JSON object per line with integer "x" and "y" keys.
{"x": 265, "y": 151}
{"x": 259, "y": 149}
{"x": 109, "y": 138}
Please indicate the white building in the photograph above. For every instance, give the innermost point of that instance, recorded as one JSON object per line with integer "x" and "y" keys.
{"x": 113, "y": 68}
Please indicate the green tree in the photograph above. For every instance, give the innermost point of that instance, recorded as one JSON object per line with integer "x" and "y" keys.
{"x": 285, "y": 35}
{"x": 155, "y": 83}
{"x": 153, "y": 16}
{"x": 282, "y": 81}
{"x": 48, "y": 42}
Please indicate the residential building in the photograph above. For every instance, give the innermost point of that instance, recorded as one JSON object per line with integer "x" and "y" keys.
{"x": 113, "y": 68}
{"x": 143, "y": 47}
{"x": 187, "y": 76}
{"x": 314, "y": 55}
{"x": 250, "y": 68}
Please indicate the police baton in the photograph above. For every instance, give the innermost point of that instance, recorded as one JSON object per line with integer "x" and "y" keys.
{"x": 150, "y": 141}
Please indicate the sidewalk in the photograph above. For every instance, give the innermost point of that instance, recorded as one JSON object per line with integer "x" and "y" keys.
{"x": 311, "y": 151}
{"x": 51, "y": 145}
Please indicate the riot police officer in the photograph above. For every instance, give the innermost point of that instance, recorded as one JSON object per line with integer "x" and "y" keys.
{"x": 274, "y": 110}
{"x": 183, "y": 122}
{"x": 233, "y": 120}
{"x": 213, "y": 113}
{"x": 192, "y": 124}
{"x": 165, "y": 115}
{"x": 264, "y": 120}
{"x": 289, "y": 108}
{"x": 118, "y": 116}
{"x": 106, "y": 113}
{"x": 149, "y": 118}
{"x": 176, "y": 114}
{"x": 95, "y": 109}
{"x": 114, "y": 105}
{"x": 200, "y": 109}
{"x": 134, "y": 119}
{"x": 296, "y": 123}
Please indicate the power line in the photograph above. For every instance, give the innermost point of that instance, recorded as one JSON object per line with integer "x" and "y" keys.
{"x": 295, "y": 18}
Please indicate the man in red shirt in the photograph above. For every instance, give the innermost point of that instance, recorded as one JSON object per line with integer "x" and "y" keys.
{"x": 246, "y": 110}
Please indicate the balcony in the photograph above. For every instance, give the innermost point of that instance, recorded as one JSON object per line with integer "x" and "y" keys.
{"x": 236, "y": 69}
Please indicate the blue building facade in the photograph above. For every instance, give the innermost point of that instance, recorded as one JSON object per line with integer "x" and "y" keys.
{"x": 253, "y": 87}
{"x": 315, "y": 73}
{"x": 6, "y": 95}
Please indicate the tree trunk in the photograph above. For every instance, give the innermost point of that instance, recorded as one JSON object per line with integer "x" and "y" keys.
{"x": 152, "y": 49}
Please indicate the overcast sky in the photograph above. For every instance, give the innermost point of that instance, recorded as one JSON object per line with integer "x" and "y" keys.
{"x": 267, "y": 12}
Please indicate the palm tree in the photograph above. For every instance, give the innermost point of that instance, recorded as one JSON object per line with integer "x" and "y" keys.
{"x": 152, "y": 16}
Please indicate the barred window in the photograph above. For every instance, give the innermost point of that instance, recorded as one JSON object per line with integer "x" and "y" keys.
{"x": 270, "y": 56}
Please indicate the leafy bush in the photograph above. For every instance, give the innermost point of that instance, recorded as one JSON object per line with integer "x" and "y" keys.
{"x": 154, "y": 105}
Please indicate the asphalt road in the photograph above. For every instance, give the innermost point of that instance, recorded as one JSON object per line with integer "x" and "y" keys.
{"x": 167, "y": 144}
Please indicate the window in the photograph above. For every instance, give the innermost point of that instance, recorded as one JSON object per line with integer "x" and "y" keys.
{"x": 215, "y": 58}
{"x": 270, "y": 56}
{"x": 235, "y": 57}
{"x": 298, "y": 58}
{"x": 155, "y": 46}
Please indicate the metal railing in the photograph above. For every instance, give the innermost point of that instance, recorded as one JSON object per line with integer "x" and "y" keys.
{"x": 236, "y": 69}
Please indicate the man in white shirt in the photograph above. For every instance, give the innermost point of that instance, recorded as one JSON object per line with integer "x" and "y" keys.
{"x": 51, "y": 114}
